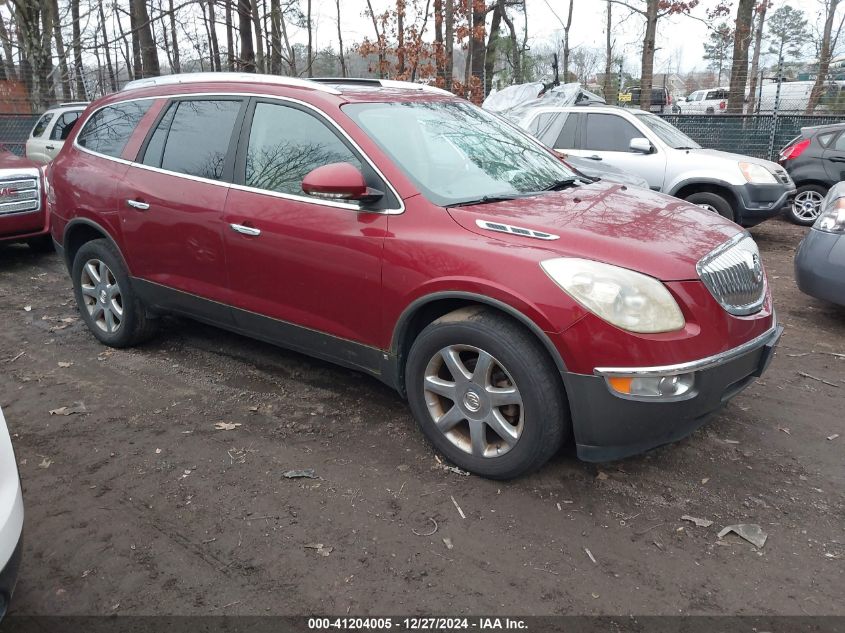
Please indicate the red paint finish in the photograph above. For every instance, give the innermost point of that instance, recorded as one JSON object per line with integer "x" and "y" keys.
{"x": 352, "y": 274}
{"x": 22, "y": 226}
{"x": 340, "y": 180}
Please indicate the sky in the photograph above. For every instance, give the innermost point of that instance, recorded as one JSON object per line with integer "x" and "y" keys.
{"x": 679, "y": 39}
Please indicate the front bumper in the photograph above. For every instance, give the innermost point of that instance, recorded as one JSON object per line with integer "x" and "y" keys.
{"x": 610, "y": 426}
{"x": 820, "y": 266}
{"x": 756, "y": 203}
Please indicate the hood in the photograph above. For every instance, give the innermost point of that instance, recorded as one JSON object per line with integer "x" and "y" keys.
{"x": 637, "y": 229}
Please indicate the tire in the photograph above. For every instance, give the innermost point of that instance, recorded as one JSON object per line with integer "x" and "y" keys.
{"x": 806, "y": 206}
{"x": 515, "y": 361}
{"x": 42, "y": 244}
{"x": 129, "y": 324}
{"x": 712, "y": 202}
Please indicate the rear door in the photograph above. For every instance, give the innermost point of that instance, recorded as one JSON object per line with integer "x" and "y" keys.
{"x": 171, "y": 204}
{"x": 39, "y": 138}
{"x": 833, "y": 158}
{"x": 607, "y": 136}
{"x": 62, "y": 125}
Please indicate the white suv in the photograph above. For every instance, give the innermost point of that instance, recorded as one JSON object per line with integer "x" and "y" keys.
{"x": 11, "y": 518}
{"x": 50, "y": 131}
{"x": 744, "y": 189}
{"x": 712, "y": 101}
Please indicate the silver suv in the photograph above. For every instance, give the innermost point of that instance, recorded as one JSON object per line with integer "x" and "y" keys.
{"x": 744, "y": 189}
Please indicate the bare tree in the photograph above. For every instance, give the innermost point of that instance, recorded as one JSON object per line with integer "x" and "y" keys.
{"x": 8, "y": 58}
{"x": 759, "y": 22}
{"x": 64, "y": 77}
{"x": 230, "y": 36}
{"x": 609, "y": 93}
{"x": 109, "y": 66}
{"x": 340, "y": 42}
{"x": 247, "y": 57}
{"x": 77, "y": 48}
{"x": 830, "y": 36}
{"x": 310, "y": 52}
{"x": 739, "y": 68}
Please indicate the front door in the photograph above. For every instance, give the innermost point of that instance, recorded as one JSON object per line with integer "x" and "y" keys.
{"x": 171, "y": 203}
{"x": 606, "y": 139}
{"x": 302, "y": 267}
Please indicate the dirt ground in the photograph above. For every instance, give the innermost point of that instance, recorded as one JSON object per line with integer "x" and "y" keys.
{"x": 139, "y": 505}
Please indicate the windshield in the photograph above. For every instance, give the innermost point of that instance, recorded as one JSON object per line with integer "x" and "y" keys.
{"x": 667, "y": 132}
{"x": 456, "y": 153}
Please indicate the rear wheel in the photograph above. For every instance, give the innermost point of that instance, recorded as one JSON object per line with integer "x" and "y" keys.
{"x": 486, "y": 394}
{"x": 807, "y": 204}
{"x": 104, "y": 295}
{"x": 712, "y": 202}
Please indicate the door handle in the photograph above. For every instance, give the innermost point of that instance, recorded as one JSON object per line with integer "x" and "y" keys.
{"x": 49, "y": 147}
{"x": 594, "y": 157}
{"x": 137, "y": 204}
{"x": 245, "y": 230}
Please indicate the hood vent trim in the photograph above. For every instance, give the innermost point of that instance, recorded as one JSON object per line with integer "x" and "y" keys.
{"x": 499, "y": 227}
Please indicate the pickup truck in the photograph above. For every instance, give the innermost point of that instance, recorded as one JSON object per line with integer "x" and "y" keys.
{"x": 23, "y": 208}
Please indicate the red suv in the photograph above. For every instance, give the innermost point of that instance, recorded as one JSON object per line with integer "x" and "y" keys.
{"x": 401, "y": 231}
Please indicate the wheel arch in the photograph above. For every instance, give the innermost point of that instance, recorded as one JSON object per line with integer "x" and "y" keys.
{"x": 718, "y": 187}
{"x": 80, "y": 231}
{"x": 424, "y": 310}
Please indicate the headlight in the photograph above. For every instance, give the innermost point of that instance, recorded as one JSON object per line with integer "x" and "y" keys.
{"x": 627, "y": 299}
{"x": 757, "y": 174}
{"x": 832, "y": 219}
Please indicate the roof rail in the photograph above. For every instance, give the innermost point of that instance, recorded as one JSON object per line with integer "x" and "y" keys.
{"x": 379, "y": 83}
{"x": 73, "y": 103}
{"x": 211, "y": 77}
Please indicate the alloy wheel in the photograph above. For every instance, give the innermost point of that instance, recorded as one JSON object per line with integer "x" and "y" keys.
{"x": 473, "y": 401}
{"x": 102, "y": 296}
{"x": 807, "y": 205}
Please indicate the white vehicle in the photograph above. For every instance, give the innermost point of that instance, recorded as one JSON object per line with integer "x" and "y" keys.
{"x": 11, "y": 518}
{"x": 50, "y": 131}
{"x": 744, "y": 189}
{"x": 794, "y": 96}
{"x": 711, "y": 101}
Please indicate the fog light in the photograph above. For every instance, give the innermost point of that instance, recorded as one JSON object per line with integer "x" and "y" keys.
{"x": 671, "y": 386}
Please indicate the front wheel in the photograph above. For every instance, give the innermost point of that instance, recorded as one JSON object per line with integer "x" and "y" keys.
{"x": 807, "y": 204}
{"x": 486, "y": 394}
{"x": 712, "y": 202}
{"x": 104, "y": 295}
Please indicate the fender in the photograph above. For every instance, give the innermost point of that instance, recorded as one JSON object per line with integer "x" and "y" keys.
{"x": 404, "y": 320}
{"x": 700, "y": 181}
{"x": 76, "y": 222}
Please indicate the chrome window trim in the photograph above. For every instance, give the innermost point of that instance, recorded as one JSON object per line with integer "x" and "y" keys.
{"x": 320, "y": 115}
{"x": 772, "y": 334}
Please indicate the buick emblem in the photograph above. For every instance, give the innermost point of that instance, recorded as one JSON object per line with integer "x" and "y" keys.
{"x": 757, "y": 268}
{"x": 471, "y": 401}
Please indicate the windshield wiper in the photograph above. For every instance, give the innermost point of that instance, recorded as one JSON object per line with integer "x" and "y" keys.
{"x": 563, "y": 183}
{"x": 487, "y": 199}
{"x": 684, "y": 147}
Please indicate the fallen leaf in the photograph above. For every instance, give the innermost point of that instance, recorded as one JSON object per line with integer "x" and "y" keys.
{"x": 322, "y": 550}
{"x": 602, "y": 476}
{"x": 226, "y": 426}
{"x": 27, "y": 308}
{"x": 705, "y": 480}
{"x": 697, "y": 521}
{"x": 448, "y": 542}
{"x": 45, "y": 463}
{"x": 307, "y": 473}
{"x": 751, "y": 532}
{"x": 64, "y": 365}
{"x": 79, "y": 407}
{"x": 833, "y": 437}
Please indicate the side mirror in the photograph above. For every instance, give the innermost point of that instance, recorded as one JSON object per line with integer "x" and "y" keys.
{"x": 640, "y": 145}
{"x": 338, "y": 181}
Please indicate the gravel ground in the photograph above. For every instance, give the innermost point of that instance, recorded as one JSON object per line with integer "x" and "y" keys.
{"x": 138, "y": 504}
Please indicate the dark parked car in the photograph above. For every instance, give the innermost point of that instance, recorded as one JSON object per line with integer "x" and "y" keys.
{"x": 661, "y": 100}
{"x": 820, "y": 260}
{"x": 400, "y": 231}
{"x": 816, "y": 162}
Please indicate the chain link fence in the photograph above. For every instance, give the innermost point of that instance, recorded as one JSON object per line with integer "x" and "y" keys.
{"x": 14, "y": 130}
{"x": 757, "y": 135}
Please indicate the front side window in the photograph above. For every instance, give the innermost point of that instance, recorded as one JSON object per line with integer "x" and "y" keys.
{"x": 285, "y": 143}
{"x": 193, "y": 137}
{"x": 108, "y": 130}
{"x": 41, "y": 124}
{"x": 666, "y": 132}
{"x": 609, "y": 133}
{"x": 64, "y": 125}
{"x": 456, "y": 153}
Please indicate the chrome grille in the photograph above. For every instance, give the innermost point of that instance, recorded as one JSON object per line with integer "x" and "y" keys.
{"x": 733, "y": 273}
{"x": 20, "y": 192}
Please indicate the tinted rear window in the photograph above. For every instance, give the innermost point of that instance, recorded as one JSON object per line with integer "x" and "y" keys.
{"x": 193, "y": 137}
{"x": 108, "y": 130}
{"x": 41, "y": 125}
